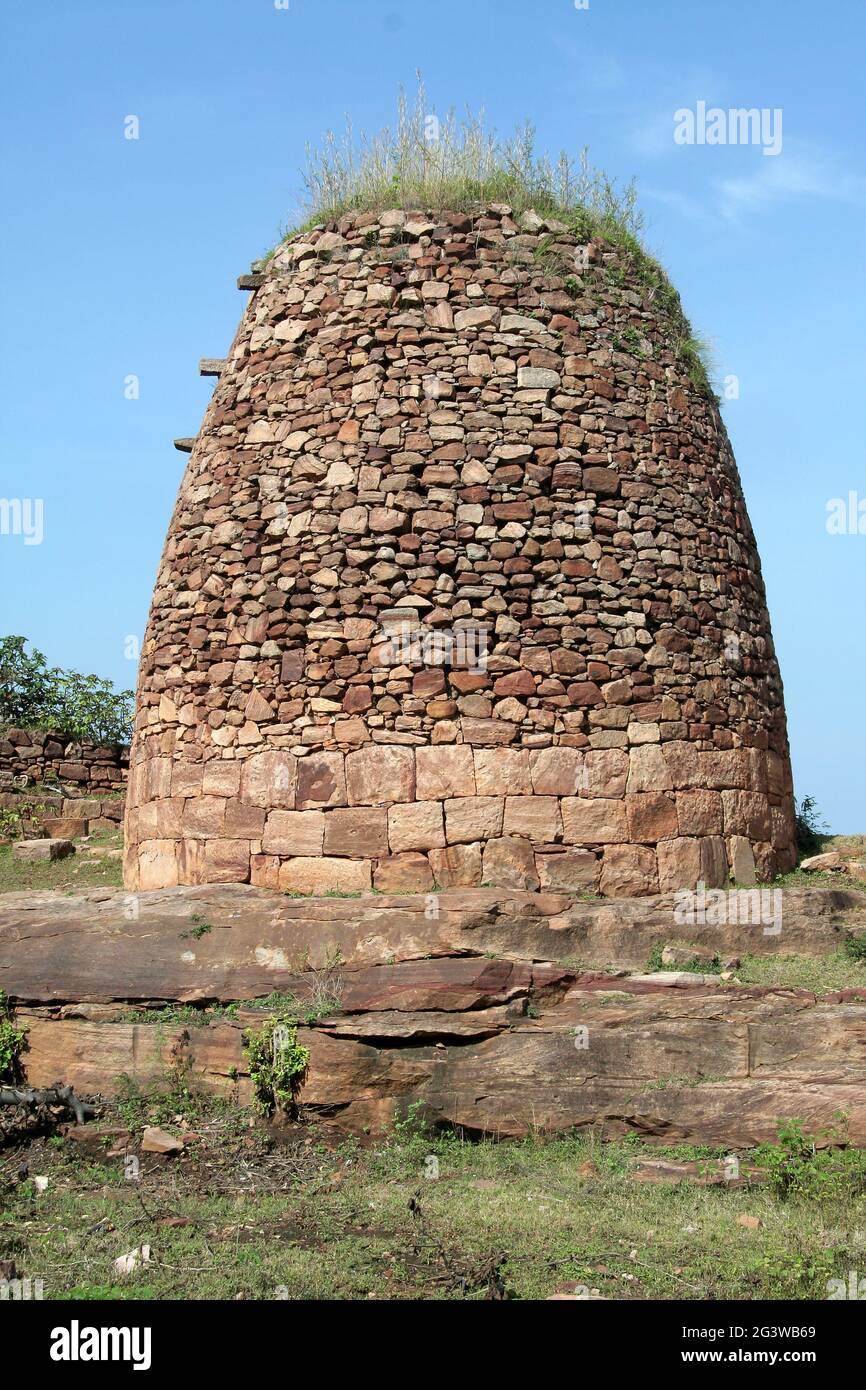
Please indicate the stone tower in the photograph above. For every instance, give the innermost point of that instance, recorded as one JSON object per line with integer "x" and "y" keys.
{"x": 460, "y": 587}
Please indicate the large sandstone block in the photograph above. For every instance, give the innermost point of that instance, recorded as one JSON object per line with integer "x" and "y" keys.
{"x": 203, "y": 817}
{"x": 380, "y": 775}
{"x": 747, "y": 814}
{"x": 680, "y": 864}
{"x": 456, "y": 866}
{"x": 319, "y": 876}
{"x": 157, "y": 864}
{"x": 186, "y": 780}
{"x": 647, "y": 769}
{"x": 714, "y": 862}
{"x": 361, "y": 833}
{"x": 606, "y": 772}
{"x": 574, "y": 871}
{"x": 161, "y": 819}
{"x": 227, "y": 861}
{"x": 49, "y": 849}
{"x": 404, "y": 873}
{"x": 444, "y": 771}
{"x": 628, "y": 871}
{"x": 294, "y": 833}
{"x": 418, "y": 825}
{"x": 473, "y": 818}
{"x": 270, "y": 779}
{"x": 741, "y": 859}
{"x": 593, "y": 821}
{"x": 699, "y": 813}
{"x": 557, "y": 771}
{"x": 64, "y": 827}
{"x": 221, "y": 778}
{"x": 321, "y": 781}
{"x": 502, "y": 771}
{"x": 244, "y": 822}
{"x": 536, "y": 817}
{"x": 509, "y": 863}
{"x": 652, "y": 816}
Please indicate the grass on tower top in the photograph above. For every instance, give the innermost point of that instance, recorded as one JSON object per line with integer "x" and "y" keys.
{"x": 431, "y": 162}
{"x": 434, "y": 164}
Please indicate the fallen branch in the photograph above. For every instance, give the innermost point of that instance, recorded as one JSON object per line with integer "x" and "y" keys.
{"x": 51, "y": 1095}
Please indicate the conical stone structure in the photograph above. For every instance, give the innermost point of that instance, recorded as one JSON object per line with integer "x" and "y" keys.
{"x": 460, "y": 587}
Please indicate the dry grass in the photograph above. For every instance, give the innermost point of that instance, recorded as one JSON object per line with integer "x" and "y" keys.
{"x": 425, "y": 161}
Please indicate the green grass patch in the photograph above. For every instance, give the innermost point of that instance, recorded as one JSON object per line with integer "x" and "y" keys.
{"x": 821, "y": 974}
{"x": 416, "y": 1216}
{"x": 63, "y": 875}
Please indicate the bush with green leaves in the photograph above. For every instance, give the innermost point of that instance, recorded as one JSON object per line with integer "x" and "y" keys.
{"x": 798, "y": 1169}
{"x": 12, "y": 1042}
{"x": 34, "y": 695}
{"x": 277, "y": 1063}
{"x": 809, "y": 825}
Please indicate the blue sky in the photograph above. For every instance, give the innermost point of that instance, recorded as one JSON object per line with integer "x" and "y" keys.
{"x": 119, "y": 257}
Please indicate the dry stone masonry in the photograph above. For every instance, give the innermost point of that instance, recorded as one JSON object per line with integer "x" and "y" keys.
{"x": 34, "y": 757}
{"x": 460, "y": 587}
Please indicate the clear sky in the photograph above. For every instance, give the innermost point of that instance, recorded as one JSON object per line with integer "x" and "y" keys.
{"x": 119, "y": 258}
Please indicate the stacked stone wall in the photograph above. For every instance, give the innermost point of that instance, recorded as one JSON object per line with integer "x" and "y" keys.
{"x": 460, "y": 586}
{"x": 31, "y": 757}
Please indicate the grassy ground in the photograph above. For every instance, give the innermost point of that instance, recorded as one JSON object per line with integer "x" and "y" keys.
{"x": 240, "y": 1216}
{"x": 822, "y": 974}
{"x": 78, "y": 870}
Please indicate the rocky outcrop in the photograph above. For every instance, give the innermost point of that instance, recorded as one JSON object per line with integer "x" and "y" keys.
{"x": 460, "y": 587}
{"x": 483, "y": 1006}
{"x": 500, "y": 1049}
{"x": 238, "y": 942}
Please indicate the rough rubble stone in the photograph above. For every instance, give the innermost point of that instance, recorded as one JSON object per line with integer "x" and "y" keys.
{"x": 449, "y": 551}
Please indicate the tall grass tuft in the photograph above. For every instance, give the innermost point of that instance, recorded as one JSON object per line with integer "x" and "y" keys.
{"x": 433, "y": 163}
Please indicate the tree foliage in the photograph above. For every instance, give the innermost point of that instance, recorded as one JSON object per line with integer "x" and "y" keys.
{"x": 34, "y": 695}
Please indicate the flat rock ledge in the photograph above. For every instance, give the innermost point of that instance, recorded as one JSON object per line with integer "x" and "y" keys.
{"x": 500, "y": 1012}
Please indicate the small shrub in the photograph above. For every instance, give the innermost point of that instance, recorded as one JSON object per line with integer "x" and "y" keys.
{"x": 855, "y": 945}
{"x": 12, "y": 1043}
{"x": 798, "y": 1169}
{"x": 810, "y": 826}
{"x": 655, "y": 961}
{"x": 277, "y": 1063}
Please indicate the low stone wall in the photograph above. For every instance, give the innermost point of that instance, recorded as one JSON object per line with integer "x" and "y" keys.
{"x": 29, "y": 757}
{"x": 58, "y": 817}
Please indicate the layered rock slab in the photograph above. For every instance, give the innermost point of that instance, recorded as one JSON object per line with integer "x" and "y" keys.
{"x": 696, "y": 1064}
{"x": 233, "y": 942}
{"x": 482, "y": 1006}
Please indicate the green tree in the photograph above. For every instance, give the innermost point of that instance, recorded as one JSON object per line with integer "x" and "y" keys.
{"x": 36, "y": 695}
